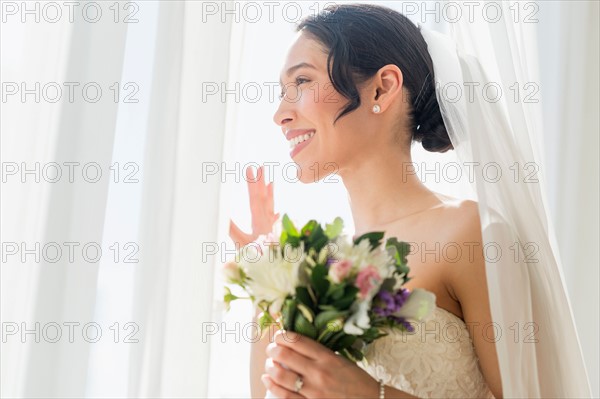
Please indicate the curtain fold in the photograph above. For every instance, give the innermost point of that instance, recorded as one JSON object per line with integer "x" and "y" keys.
{"x": 174, "y": 292}
{"x": 569, "y": 43}
{"x": 70, "y": 212}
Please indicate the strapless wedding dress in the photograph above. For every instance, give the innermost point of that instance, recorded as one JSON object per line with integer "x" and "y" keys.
{"x": 437, "y": 360}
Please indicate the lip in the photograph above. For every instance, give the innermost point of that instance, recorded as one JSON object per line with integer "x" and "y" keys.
{"x": 290, "y": 134}
{"x": 300, "y": 147}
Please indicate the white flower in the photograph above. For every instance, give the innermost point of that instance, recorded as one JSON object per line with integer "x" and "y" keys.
{"x": 359, "y": 319}
{"x": 231, "y": 272}
{"x": 361, "y": 256}
{"x": 419, "y": 305}
{"x": 273, "y": 275}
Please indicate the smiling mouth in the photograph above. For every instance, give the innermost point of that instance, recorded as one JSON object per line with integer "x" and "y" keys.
{"x": 300, "y": 139}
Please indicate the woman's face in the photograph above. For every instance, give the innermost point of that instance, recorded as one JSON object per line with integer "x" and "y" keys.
{"x": 310, "y": 105}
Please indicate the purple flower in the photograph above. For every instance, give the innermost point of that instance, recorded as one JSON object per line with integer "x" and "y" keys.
{"x": 401, "y": 320}
{"x": 388, "y": 299}
{"x": 385, "y": 304}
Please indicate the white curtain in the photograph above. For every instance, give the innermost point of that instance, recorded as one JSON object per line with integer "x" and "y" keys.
{"x": 171, "y": 140}
{"x": 149, "y": 145}
{"x": 568, "y": 48}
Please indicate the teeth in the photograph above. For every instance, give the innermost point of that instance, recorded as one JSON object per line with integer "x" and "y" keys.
{"x": 299, "y": 139}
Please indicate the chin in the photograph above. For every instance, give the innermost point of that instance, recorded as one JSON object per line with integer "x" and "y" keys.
{"x": 303, "y": 172}
{"x": 312, "y": 172}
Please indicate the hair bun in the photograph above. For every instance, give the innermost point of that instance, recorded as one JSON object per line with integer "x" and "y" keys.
{"x": 431, "y": 130}
{"x": 436, "y": 139}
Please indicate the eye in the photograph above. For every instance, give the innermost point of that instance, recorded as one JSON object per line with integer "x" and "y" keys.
{"x": 299, "y": 80}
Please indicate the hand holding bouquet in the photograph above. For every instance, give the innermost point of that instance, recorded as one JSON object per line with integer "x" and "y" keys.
{"x": 319, "y": 283}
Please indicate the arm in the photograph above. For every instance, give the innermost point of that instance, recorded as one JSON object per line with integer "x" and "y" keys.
{"x": 467, "y": 281}
{"x": 263, "y": 217}
{"x": 258, "y": 358}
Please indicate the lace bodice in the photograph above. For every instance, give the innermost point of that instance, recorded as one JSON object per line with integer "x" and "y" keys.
{"x": 437, "y": 360}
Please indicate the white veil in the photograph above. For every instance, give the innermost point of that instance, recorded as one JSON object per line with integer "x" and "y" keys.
{"x": 538, "y": 347}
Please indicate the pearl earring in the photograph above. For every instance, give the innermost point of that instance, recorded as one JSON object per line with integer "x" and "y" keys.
{"x": 376, "y": 108}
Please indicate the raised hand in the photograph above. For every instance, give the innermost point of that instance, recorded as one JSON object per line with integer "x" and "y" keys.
{"x": 261, "y": 208}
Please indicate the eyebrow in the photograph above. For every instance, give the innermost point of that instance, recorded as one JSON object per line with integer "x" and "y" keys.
{"x": 295, "y": 67}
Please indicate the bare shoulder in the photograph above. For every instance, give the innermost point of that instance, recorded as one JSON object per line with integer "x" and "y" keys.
{"x": 462, "y": 230}
{"x": 466, "y": 281}
{"x": 460, "y": 217}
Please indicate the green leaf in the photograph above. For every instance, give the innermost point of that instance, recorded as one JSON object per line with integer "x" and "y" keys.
{"x": 371, "y": 335}
{"x": 283, "y": 239}
{"x": 334, "y": 229}
{"x": 388, "y": 284}
{"x": 304, "y": 327}
{"x": 325, "y": 335}
{"x": 352, "y": 354}
{"x": 308, "y": 228}
{"x": 322, "y": 320}
{"x": 331, "y": 340}
{"x": 304, "y": 297}
{"x": 288, "y": 226}
{"x": 288, "y": 313}
{"x": 293, "y": 241}
{"x": 348, "y": 298}
{"x": 307, "y": 312}
{"x": 314, "y": 236}
{"x": 331, "y": 328}
{"x": 264, "y": 321}
{"x": 319, "y": 241}
{"x": 344, "y": 342}
{"x": 227, "y": 298}
{"x": 374, "y": 238}
{"x": 399, "y": 250}
{"x": 336, "y": 291}
{"x": 327, "y": 307}
{"x": 319, "y": 280}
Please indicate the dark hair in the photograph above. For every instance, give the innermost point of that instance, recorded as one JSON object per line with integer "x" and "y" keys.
{"x": 362, "y": 38}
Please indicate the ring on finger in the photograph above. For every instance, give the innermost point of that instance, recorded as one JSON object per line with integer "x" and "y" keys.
{"x": 299, "y": 383}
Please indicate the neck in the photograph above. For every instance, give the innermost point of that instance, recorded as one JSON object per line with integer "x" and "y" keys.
{"x": 383, "y": 189}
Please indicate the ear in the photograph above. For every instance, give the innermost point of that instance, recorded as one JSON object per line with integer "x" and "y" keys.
{"x": 386, "y": 86}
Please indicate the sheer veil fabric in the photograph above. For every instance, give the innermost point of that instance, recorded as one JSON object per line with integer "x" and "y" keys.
{"x": 536, "y": 339}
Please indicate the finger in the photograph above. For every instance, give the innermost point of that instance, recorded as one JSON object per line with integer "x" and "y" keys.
{"x": 237, "y": 235}
{"x": 280, "y": 375}
{"x": 254, "y": 180}
{"x": 250, "y": 179}
{"x": 277, "y": 390}
{"x": 305, "y": 346}
{"x": 261, "y": 175}
{"x": 256, "y": 190}
{"x": 270, "y": 197}
{"x": 295, "y": 361}
{"x": 253, "y": 176}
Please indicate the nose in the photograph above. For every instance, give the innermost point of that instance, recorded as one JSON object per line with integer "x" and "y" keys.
{"x": 284, "y": 113}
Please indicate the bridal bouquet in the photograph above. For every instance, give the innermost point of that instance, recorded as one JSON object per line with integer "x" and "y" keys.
{"x": 319, "y": 283}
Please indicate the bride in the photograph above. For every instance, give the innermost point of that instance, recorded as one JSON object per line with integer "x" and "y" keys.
{"x": 383, "y": 99}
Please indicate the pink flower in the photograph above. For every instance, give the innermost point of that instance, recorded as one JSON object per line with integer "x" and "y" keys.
{"x": 367, "y": 279}
{"x": 338, "y": 271}
{"x": 231, "y": 271}
{"x": 271, "y": 240}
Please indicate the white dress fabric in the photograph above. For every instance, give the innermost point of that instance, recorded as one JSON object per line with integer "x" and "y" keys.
{"x": 437, "y": 360}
